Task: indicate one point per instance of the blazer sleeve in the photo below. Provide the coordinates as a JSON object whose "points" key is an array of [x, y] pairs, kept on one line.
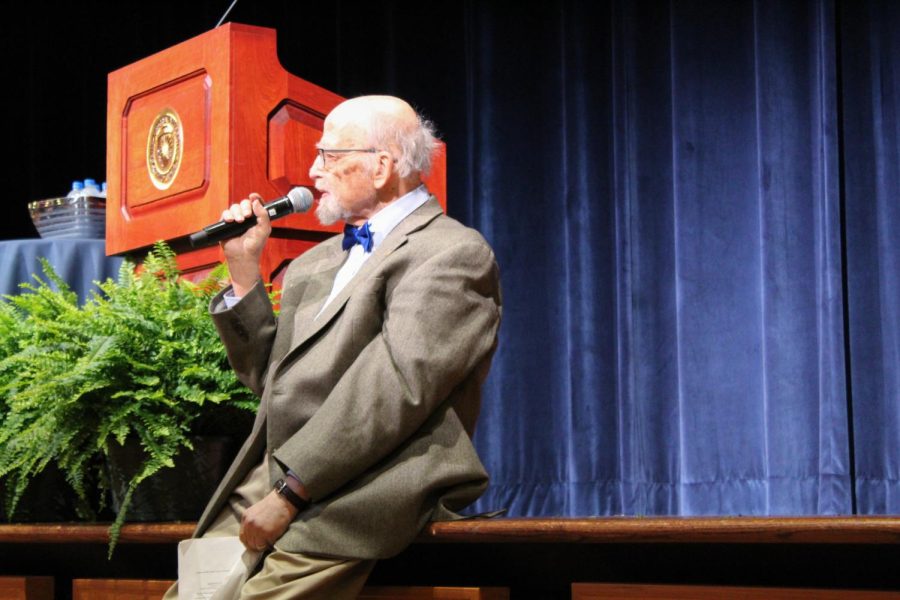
{"points": [[440, 323], [248, 330]]}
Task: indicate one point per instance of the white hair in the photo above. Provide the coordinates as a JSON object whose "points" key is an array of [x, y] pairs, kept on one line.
{"points": [[416, 146]]}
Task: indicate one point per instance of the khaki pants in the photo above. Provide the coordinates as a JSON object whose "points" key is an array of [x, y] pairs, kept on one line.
{"points": [[285, 575]]}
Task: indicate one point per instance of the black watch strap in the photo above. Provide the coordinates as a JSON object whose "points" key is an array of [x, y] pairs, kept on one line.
{"points": [[282, 488]]}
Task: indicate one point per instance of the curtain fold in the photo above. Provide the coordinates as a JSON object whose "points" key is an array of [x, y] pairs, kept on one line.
{"points": [[871, 122]]}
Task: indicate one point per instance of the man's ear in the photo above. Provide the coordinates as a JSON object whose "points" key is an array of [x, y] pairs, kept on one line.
{"points": [[384, 169]]}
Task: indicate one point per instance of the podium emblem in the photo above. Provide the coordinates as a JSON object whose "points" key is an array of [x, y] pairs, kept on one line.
{"points": [[164, 147]]}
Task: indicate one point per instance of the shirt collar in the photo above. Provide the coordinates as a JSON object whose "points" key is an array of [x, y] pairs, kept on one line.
{"points": [[384, 221]]}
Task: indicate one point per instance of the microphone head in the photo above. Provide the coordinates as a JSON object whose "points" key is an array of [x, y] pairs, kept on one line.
{"points": [[301, 199]]}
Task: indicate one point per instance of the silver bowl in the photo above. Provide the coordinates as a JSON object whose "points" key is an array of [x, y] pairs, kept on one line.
{"points": [[65, 217]]}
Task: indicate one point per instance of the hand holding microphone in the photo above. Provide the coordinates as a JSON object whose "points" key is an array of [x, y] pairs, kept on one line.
{"points": [[243, 254], [299, 199]]}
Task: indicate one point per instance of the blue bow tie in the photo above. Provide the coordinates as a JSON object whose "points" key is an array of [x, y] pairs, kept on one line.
{"points": [[357, 235]]}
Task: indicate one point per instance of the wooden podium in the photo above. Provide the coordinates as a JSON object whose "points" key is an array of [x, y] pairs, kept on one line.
{"points": [[202, 124]]}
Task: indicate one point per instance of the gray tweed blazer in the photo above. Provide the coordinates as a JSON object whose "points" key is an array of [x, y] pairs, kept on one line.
{"points": [[373, 403]]}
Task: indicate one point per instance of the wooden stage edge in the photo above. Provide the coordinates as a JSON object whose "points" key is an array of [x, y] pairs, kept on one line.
{"points": [[609, 530]]}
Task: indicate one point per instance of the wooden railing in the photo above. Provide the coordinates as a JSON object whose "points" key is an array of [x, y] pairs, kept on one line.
{"points": [[631, 530]]}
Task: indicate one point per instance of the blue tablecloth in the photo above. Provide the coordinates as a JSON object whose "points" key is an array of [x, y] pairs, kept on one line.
{"points": [[78, 262]]}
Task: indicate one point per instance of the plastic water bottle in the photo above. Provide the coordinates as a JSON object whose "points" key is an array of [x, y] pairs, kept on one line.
{"points": [[91, 188], [77, 190], [103, 190]]}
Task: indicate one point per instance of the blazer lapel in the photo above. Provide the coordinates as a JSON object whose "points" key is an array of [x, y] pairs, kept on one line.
{"points": [[307, 325], [324, 273]]}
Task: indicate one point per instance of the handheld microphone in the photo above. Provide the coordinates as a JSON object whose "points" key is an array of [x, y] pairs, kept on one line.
{"points": [[299, 199]]}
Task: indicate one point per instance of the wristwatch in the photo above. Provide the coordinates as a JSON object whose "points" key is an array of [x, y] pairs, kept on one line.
{"points": [[282, 488]]}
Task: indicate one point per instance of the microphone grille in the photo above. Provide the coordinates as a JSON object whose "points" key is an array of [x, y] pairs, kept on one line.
{"points": [[301, 199]]}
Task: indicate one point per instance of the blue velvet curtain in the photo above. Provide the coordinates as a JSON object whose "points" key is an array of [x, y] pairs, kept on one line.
{"points": [[695, 209]]}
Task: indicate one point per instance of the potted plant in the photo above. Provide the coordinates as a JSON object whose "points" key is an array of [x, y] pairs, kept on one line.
{"points": [[138, 365]]}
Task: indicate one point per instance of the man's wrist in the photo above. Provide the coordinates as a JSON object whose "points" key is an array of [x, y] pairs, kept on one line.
{"points": [[242, 286], [283, 489], [296, 485]]}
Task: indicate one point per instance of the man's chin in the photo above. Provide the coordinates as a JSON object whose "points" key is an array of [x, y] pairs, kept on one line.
{"points": [[327, 215], [325, 219]]}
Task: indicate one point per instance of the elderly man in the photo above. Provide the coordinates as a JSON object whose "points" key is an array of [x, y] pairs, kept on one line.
{"points": [[370, 376]]}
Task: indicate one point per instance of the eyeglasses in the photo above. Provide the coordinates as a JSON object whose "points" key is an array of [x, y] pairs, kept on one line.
{"points": [[326, 153]]}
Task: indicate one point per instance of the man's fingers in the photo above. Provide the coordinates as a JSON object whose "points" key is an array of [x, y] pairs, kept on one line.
{"points": [[262, 216], [243, 209]]}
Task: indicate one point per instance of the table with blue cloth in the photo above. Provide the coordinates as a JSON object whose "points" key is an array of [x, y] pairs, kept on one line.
{"points": [[79, 262]]}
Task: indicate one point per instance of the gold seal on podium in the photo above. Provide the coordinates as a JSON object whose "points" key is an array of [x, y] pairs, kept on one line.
{"points": [[164, 146]]}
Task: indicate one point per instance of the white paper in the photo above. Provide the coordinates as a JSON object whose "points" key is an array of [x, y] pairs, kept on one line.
{"points": [[213, 568]]}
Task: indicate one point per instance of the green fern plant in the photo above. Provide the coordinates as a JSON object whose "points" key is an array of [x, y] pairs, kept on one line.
{"points": [[139, 360]]}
